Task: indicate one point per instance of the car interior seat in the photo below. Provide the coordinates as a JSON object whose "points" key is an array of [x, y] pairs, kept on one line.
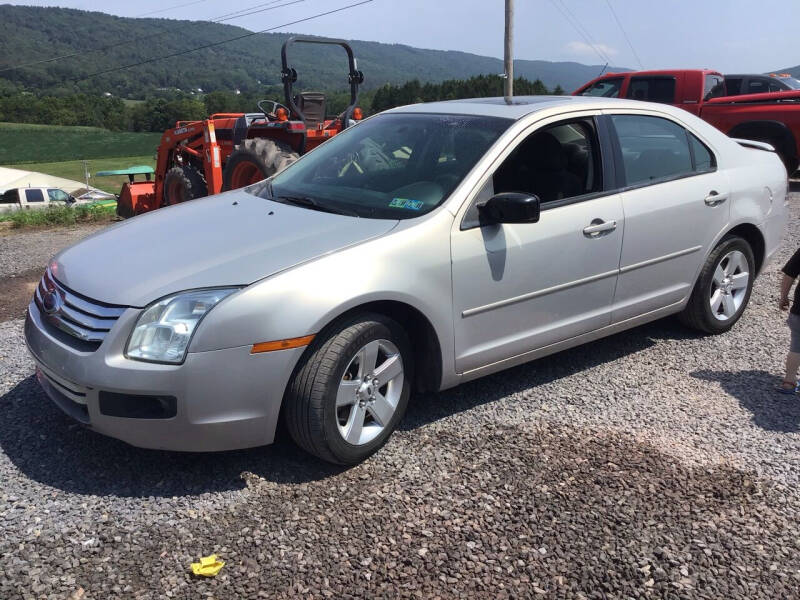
{"points": [[548, 166]]}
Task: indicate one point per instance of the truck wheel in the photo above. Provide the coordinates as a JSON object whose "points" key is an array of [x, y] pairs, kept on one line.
{"points": [[351, 390], [254, 160], [182, 184], [723, 288]]}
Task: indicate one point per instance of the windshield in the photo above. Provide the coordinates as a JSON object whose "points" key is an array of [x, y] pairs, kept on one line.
{"points": [[393, 166], [607, 88], [791, 82]]}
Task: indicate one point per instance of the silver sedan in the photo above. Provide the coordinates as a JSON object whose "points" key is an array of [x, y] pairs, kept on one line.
{"points": [[426, 246]]}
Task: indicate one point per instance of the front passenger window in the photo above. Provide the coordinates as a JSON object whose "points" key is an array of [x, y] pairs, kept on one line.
{"points": [[556, 163]]}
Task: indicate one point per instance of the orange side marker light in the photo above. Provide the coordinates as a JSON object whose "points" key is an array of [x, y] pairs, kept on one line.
{"points": [[297, 342]]}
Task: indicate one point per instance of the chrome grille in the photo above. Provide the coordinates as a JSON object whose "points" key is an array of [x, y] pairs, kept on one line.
{"points": [[84, 319]]}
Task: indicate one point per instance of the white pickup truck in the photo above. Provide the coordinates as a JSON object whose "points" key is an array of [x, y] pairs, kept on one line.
{"points": [[33, 197]]}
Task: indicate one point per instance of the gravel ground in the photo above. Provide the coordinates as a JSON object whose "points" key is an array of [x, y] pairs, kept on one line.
{"points": [[22, 250], [652, 464]]}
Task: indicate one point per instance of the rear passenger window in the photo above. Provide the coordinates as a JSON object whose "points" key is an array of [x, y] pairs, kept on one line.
{"points": [[653, 149], [703, 158], [10, 197], [34, 195], [734, 86], [757, 86], [652, 89]]}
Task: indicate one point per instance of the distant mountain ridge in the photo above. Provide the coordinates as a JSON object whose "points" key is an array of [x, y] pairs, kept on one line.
{"points": [[29, 34]]}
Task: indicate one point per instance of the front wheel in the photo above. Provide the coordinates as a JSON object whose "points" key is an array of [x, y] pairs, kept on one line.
{"points": [[255, 160], [183, 183], [723, 288], [351, 390]]}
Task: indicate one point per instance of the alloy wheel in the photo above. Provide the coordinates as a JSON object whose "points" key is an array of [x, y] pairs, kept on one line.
{"points": [[369, 392], [729, 285]]}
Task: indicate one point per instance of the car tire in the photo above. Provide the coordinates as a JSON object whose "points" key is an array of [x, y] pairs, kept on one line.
{"points": [[255, 160], [723, 287], [182, 184], [333, 407]]}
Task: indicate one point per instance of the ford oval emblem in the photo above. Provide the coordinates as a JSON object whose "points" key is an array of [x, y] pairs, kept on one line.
{"points": [[51, 302]]}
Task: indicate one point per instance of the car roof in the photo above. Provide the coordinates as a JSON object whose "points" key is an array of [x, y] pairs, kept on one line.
{"points": [[521, 106], [36, 187]]}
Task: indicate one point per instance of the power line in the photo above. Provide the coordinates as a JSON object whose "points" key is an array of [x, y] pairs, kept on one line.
{"points": [[622, 29], [235, 13], [252, 12], [225, 17], [213, 44], [587, 35], [163, 10], [576, 26]]}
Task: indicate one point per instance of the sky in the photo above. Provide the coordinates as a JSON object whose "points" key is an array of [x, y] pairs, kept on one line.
{"points": [[725, 35]]}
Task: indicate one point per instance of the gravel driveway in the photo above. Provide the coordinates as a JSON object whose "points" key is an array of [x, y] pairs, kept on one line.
{"points": [[652, 464]]}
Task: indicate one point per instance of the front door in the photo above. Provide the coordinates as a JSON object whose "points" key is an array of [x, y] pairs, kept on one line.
{"points": [[519, 287]]}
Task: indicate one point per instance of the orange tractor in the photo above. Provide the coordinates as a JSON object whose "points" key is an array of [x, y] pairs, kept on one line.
{"points": [[231, 150]]}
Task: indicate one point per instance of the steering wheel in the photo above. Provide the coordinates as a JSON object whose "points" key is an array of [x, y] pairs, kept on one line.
{"points": [[275, 106]]}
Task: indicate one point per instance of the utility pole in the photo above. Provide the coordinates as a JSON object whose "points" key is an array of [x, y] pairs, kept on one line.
{"points": [[508, 56]]}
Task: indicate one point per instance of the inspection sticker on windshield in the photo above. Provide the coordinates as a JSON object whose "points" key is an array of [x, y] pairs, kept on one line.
{"points": [[406, 203]]}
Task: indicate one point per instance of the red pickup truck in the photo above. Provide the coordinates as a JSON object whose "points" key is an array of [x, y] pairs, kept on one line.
{"points": [[773, 118]]}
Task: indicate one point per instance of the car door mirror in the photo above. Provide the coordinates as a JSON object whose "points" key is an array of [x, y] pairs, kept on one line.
{"points": [[510, 207]]}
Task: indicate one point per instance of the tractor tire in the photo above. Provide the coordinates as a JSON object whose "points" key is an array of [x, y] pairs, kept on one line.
{"points": [[255, 160], [182, 184]]}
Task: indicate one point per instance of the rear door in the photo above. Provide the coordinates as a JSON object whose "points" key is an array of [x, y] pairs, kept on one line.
{"points": [[675, 202], [9, 201]]}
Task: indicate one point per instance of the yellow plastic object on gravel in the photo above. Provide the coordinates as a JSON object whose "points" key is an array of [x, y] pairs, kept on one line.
{"points": [[208, 566]]}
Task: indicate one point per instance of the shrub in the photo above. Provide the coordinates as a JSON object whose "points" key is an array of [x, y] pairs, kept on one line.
{"points": [[61, 215]]}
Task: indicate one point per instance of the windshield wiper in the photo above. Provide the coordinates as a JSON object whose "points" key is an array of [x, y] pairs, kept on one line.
{"points": [[314, 204]]}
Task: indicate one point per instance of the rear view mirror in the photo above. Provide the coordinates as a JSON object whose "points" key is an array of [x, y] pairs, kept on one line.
{"points": [[510, 207]]}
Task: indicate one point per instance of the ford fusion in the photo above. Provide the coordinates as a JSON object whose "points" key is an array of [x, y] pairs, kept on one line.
{"points": [[422, 248]]}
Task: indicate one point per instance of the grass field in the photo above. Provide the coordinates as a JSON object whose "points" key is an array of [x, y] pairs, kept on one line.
{"points": [[22, 143], [73, 169]]}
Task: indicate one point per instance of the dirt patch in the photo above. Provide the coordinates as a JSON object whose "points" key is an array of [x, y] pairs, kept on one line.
{"points": [[16, 292]]}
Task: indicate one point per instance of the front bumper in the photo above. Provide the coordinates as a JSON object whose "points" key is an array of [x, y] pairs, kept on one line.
{"points": [[225, 399]]}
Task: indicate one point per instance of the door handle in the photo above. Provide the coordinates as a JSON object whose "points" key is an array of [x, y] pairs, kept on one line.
{"points": [[599, 227], [714, 198]]}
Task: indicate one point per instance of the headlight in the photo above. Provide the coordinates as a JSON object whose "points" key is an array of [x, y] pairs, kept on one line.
{"points": [[164, 330]]}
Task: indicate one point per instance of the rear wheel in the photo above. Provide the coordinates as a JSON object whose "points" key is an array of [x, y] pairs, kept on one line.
{"points": [[351, 390], [254, 160], [723, 288], [182, 184]]}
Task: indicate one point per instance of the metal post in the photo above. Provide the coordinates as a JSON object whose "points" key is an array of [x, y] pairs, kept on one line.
{"points": [[508, 57], [86, 173]]}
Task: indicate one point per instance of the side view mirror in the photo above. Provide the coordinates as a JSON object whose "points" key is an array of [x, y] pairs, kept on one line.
{"points": [[510, 207]]}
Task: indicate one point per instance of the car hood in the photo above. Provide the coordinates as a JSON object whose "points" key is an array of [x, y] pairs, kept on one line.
{"points": [[229, 239]]}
